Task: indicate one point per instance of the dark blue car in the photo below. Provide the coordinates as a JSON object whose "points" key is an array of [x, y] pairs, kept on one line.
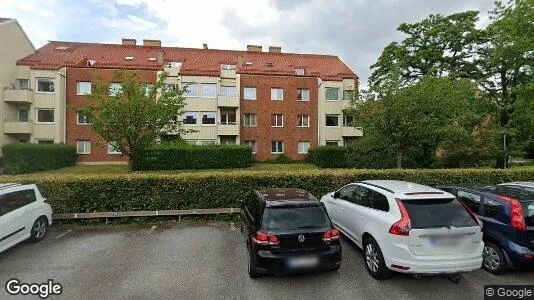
{"points": [[507, 212]]}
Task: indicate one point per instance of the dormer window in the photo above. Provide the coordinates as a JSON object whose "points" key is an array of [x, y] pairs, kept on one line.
{"points": [[248, 63], [299, 71], [129, 58], [227, 67], [174, 64], [152, 59], [62, 48], [90, 62]]}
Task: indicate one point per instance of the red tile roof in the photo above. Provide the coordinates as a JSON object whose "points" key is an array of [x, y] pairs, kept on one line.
{"points": [[194, 61]]}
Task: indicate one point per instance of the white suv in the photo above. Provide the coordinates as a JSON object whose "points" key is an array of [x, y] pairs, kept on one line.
{"points": [[407, 227], [24, 214]]}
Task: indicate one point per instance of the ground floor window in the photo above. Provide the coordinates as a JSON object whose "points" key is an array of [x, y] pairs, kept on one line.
{"points": [[277, 147], [112, 148], [332, 143], [41, 142], [83, 147], [303, 147], [251, 145]]}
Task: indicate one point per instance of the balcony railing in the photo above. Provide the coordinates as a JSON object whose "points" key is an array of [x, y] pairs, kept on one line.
{"points": [[350, 131], [228, 101], [20, 96], [228, 128], [18, 127]]}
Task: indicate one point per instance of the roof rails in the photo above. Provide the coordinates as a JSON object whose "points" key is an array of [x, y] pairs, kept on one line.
{"points": [[377, 186], [4, 186]]}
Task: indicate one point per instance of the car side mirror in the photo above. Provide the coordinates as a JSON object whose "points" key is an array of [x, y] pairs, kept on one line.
{"points": [[335, 194]]}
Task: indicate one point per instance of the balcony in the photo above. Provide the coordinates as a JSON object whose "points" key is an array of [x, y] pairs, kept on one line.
{"points": [[172, 72], [18, 96], [228, 129], [228, 73], [18, 127], [228, 101], [349, 131]]}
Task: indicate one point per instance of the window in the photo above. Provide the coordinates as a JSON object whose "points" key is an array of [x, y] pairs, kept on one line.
{"points": [[346, 193], [227, 67], [83, 87], [451, 213], [295, 218], [332, 120], [23, 84], [209, 90], [83, 118], [332, 143], [277, 94], [174, 64], [208, 118], [331, 94], [492, 209], [303, 94], [250, 120], [348, 94], [24, 115], [249, 93], [228, 90], [169, 87], [277, 147], [112, 148], [45, 116], [191, 89], [15, 200], [228, 116], [299, 72], [83, 147], [470, 200], [277, 120], [347, 142], [45, 85], [304, 121], [348, 120], [228, 140], [44, 142], [251, 145], [115, 88], [191, 142], [303, 147], [208, 142], [190, 118], [380, 202]]}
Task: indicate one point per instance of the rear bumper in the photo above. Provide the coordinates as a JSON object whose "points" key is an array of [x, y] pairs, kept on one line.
{"points": [[517, 253], [266, 262]]}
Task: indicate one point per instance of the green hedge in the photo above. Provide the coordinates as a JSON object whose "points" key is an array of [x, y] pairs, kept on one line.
{"points": [[26, 158], [216, 189], [329, 156], [172, 157]]}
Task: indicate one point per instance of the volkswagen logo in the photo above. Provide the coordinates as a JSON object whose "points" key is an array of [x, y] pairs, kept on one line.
{"points": [[301, 238]]}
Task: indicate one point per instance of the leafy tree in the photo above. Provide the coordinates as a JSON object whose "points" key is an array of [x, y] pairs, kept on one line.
{"points": [[131, 117]]}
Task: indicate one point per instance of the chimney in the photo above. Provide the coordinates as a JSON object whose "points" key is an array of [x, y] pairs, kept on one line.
{"points": [[161, 57], [275, 49], [205, 46], [254, 48], [128, 42], [240, 60], [152, 43]]}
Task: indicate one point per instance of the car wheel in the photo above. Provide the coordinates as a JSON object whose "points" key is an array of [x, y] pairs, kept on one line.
{"points": [[336, 268], [39, 230], [251, 272], [374, 260], [494, 260]]}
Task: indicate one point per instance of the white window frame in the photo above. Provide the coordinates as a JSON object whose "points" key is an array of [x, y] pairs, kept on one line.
{"points": [[186, 85], [208, 142], [251, 117], [325, 93], [193, 113], [301, 117], [37, 115], [52, 79], [245, 93], [214, 91], [114, 88], [208, 112], [79, 88], [345, 123], [302, 93], [44, 140], [307, 148], [353, 92], [19, 80], [277, 152], [27, 110], [226, 94], [332, 115], [276, 120], [84, 147], [112, 150], [252, 145], [277, 94], [78, 120], [331, 141]]}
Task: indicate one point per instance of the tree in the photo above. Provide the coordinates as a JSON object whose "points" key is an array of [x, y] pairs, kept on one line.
{"points": [[130, 117], [436, 46]]}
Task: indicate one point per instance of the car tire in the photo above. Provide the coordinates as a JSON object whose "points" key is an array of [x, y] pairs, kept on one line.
{"points": [[335, 269], [251, 273], [39, 230], [374, 260], [494, 259]]}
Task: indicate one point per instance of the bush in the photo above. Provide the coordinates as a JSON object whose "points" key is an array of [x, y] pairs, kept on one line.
{"points": [[172, 157], [529, 149], [215, 189], [26, 158], [329, 156]]}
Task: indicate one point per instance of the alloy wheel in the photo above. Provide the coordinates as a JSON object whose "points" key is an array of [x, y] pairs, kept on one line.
{"points": [[491, 258], [371, 257], [39, 228]]}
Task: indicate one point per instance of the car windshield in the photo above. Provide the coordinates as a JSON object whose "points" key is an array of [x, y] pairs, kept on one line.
{"points": [[432, 213], [294, 218], [528, 211]]}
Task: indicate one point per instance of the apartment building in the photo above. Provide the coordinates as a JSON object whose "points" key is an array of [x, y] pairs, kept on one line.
{"points": [[274, 102], [15, 97]]}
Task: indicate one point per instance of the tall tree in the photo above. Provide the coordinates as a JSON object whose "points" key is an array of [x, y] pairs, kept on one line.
{"points": [[133, 116]]}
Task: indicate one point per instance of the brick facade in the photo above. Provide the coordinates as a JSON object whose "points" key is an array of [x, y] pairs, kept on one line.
{"points": [[289, 107]]}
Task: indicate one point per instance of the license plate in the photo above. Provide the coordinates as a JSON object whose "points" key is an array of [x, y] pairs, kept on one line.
{"points": [[303, 262], [443, 241]]}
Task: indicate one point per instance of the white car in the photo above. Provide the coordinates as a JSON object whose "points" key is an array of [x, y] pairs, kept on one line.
{"points": [[407, 227], [24, 214]]}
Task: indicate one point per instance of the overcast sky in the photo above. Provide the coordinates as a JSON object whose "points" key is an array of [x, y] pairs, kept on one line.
{"points": [[355, 30]]}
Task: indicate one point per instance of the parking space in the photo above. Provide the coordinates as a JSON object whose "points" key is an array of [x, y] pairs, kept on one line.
{"points": [[205, 261]]}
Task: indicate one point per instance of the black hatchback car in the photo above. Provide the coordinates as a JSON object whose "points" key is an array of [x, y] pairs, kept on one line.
{"points": [[288, 231]]}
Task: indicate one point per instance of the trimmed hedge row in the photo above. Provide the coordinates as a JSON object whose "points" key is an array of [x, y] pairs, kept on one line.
{"points": [[165, 157], [25, 158], [329, 156], [157, 191]]}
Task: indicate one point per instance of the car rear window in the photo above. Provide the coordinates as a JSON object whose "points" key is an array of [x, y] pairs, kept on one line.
{"points": [[294, 218], [528, 210], [429, 213]]}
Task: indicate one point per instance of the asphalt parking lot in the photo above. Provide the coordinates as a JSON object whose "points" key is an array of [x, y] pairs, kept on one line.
{"points": [[203, 261]]}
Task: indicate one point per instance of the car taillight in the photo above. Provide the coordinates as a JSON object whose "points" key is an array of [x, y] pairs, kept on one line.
{"points": [[473, 216], [518, 219], [402, 226], [331, 235], [262, 238]]}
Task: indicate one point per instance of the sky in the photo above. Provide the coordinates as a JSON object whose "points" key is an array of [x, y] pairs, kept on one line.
{"points": [[355, 30]]}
